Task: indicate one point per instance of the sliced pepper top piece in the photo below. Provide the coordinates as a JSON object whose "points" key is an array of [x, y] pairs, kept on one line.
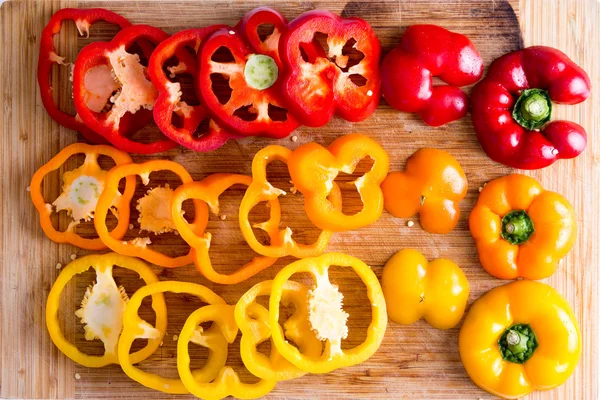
{"points": [[227, 382], [261, 190], [155, 212], [326, 316], [322, 85], [102, 309], [313, 169], [83, 19], [208, 191], [80, 193]]}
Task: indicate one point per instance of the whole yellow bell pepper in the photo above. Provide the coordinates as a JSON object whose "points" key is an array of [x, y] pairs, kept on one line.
{"points": [[520, 229], [518, 338], [415, 289]]}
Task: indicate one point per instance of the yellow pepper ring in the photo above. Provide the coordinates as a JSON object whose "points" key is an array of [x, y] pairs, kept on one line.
{"points": [[90, 164], [100, 263], [208, 191], [136, 328], [227, 381], [261, 190], [253, 321], [333, 357]]}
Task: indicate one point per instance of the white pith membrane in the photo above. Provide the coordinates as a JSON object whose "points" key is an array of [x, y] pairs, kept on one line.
{"points": [[155, 213], [326, 315], [122, 84], [102, 310], [81, 189]]}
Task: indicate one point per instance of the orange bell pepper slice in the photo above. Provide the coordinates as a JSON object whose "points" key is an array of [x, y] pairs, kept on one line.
{"points": [[313, 168], [261, 190], [432, 184], [155, 212], [208, 191], [80, 193]]}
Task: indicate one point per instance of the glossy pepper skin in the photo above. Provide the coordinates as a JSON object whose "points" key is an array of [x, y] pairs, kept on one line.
{"points": [[81, 205], [414, 288], [428, 51], [261, 190], [169, 100], [258, 100], [520, 229], [227, 382], [107, 300], [548, 360], [83, 19], [313, 168], [512, 108], [208, 191], [134, 327], [432, 184], [326, 315], [322, 86], [122, 72]]}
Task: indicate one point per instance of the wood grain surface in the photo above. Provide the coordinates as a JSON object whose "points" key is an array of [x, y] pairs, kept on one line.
{"points": [[414, 361]]}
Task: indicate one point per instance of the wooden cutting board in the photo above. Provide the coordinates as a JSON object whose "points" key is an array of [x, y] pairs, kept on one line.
{"points": [[414, 361]]}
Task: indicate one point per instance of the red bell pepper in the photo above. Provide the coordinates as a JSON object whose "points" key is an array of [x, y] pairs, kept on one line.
{"points": [[512, 107], [319, 84], [83, 20], [107, 76], [169, 93], [253, 78], [428, 51]]}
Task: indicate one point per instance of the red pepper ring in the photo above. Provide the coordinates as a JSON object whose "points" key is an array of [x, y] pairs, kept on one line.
{"points": [[317, 89], [513, 104], [253, 78], [249, 25], [169, 93], [123, 118], [83, 20], [208, 191]]}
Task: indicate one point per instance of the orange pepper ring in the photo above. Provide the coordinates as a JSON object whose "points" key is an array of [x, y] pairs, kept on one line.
{"points": [[55, 163], [208, 191], [143, 170]]}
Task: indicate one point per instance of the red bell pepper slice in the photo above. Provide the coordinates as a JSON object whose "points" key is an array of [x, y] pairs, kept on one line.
{"points": [[250, 24], [105, 68], [426, 51], [253, 77], [512, 107], [319, 87], [169, 93], [83, 20]]}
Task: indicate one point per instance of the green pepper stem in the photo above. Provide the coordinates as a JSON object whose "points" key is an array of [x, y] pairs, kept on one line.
{"points": [[517, 227], [532, 109], [518, 343]]}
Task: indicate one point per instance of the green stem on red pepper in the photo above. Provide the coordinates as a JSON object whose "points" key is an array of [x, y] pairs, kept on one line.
{"points": [[532, 109]]}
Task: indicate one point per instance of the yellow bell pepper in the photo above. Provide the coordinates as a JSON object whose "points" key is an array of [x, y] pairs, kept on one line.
{"points": [[227, 382], [413, 288], [102, 308], [520, 229], [326, 315], [253, 321], [136, 328], [518, 338]]}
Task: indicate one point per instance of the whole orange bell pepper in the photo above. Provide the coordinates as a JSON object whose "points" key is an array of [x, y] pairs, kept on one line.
{"points": [[520, 229], [432, 184]]}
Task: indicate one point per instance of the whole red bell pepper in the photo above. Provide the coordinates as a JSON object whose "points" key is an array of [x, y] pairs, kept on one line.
{"points": [[111, 92], [253, 78], [428, 51], [512, 107], [169, 100], [83, 20], [319, 84]]}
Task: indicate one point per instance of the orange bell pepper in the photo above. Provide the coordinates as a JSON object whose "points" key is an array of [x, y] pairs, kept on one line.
{"points": [[432, 184], [80, 192], [155, 212], [261, 190], [313, 168], [208, 191], [520, 229]]}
